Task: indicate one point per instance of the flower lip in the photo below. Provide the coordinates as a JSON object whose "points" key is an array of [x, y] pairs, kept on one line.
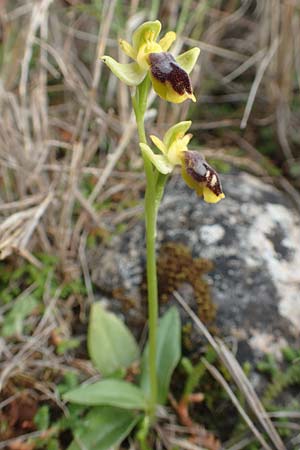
{"points": [[198, 169], [164, 68]]}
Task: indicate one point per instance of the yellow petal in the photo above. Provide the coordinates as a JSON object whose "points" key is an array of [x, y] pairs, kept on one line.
{"points": [[177, 148], [159, 144], [187, 60], [166, 42], [127, 48], [175, 152], [186, 139], [131, 74]]}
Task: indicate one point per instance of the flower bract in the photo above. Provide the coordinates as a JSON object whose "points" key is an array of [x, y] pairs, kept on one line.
{"points": [[196, 172], [169, 75]]}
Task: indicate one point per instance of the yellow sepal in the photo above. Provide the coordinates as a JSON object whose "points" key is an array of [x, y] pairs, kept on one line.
{"points": [[131, 74], [188, 59], [177, 131], [159, 161], [147, 32]]}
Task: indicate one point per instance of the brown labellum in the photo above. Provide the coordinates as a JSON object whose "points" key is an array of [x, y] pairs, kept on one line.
{"points": [[164, 68], [197, 168]]}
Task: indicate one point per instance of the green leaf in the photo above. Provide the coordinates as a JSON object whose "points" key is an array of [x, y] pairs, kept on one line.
{"points": [[108, 392], [111, 345], [131, 74], [168, 354], [69, 381], [14, 320], [103, 428], [42, 418], [53, 444]]}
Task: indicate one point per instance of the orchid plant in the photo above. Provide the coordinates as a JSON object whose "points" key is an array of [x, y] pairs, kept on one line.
{"points": [[112, 347]]}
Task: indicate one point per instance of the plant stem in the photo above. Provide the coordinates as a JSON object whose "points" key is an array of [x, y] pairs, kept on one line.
{"points": [[151, 207], [150, 217]]}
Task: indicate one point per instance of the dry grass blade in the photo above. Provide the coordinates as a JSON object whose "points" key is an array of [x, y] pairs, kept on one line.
{"points": [[21, 204], [184, 444], [37, 17], [245, 66], [219, 377], [238, 376], [288, 414], [223, 52], [7, 444], [241, 444], [108, 11], [85, 269], [20, 359], [16, 230], [112, 161], [250, 395], [259, 75]]}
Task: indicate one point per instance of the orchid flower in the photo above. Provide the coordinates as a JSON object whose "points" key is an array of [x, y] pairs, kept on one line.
{"points": [[169, 75], [196, 172]]}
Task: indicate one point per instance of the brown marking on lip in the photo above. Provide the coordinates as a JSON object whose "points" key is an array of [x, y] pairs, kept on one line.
{"points": [[164, 68], [201, 172]]}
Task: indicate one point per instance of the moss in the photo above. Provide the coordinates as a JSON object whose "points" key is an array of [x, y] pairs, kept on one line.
{"points": [[126, 301], [175, 267], [186, 336]]}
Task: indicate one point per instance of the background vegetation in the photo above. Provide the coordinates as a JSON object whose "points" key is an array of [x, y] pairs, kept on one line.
{"points": [[71, 177]]}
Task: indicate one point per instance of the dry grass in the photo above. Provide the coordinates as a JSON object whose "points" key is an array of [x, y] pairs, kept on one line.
{"points": [[68, 140], [58, 103]]}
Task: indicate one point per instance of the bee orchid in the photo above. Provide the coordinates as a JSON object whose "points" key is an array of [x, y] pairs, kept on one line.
{"points": [[169, 75], [196, 172]]}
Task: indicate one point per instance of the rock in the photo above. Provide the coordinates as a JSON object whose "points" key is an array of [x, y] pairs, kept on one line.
{"points": [[253, 239]]}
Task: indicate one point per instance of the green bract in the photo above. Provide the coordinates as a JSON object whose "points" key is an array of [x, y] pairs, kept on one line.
{"points": [[169, 75]]}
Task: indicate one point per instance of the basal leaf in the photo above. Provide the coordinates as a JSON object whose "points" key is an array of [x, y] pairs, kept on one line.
{"points": [[103, 427], [108, 392], [168, 354], [111, 345]]}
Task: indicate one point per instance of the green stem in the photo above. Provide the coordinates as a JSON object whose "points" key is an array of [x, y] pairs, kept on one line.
{"points": [[151, 207], [150, 217]]}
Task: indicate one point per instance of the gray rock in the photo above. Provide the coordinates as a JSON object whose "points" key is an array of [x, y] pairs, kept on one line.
{"points": [[253, 239]]}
